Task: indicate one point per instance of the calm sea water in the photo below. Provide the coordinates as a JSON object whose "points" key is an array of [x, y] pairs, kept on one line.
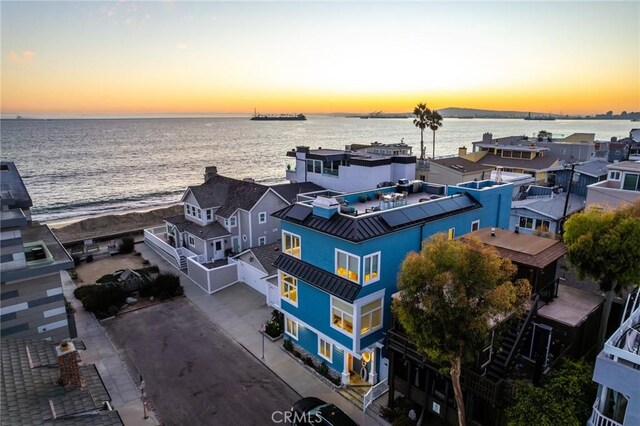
{"points": [[84, 167]]}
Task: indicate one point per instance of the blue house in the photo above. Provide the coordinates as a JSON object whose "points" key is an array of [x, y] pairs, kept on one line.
{"points": [[341, 255]]}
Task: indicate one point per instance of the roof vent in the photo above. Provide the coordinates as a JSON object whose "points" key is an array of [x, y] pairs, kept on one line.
{"points": [[493, 232], [325, 207]]}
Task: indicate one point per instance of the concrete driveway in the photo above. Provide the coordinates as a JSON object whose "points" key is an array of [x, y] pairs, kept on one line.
{"points": [[194, 374]]}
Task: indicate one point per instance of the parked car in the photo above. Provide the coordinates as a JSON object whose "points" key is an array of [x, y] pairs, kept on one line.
{"points": [[316, 412]]}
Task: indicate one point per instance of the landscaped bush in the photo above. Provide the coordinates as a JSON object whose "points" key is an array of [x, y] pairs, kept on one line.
{"points": [[287, 345], [275, 326], [323, 369], [164, 286], [126, 245], [109, 278], [309, 361], [103, 300]]}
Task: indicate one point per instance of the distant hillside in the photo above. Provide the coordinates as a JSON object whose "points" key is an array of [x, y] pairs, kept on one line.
{"points": [[488, 113]]}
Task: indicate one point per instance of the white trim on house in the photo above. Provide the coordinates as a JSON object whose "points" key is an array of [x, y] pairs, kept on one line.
{"points": [[364, 265], [328, 339], [358, 304], [322, 340], [358, 272], [282, 298], [260, 221], [264, 195], [352, 314], [475, 222], [282, 232], [287, 319]]}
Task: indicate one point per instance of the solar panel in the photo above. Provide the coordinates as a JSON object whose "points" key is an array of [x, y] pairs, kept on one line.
{"points": [[463, 202], [448, 204], [431, 209], [395, 218], [415, 213], [298, 212]]}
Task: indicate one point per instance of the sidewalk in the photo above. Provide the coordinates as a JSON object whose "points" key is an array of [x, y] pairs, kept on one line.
{"points": [[125, 395], [240, 312]]}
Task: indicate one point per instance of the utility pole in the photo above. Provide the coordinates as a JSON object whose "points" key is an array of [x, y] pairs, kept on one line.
{"points": [[144, 399], [566, 201]]}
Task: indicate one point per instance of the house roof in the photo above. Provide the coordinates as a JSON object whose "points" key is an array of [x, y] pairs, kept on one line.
{"points": [[538, 163], [289, 191], [31, 390], [461, 165], [267, 255], [12, 188], [361, 228], [525, 249], [206, 232], [593, 168], [552, 207], [228, 194], [326, 281]]}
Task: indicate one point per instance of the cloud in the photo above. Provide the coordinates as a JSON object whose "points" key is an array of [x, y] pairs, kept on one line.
{"points": [[125, 13], [24, 57], [180, 46]]}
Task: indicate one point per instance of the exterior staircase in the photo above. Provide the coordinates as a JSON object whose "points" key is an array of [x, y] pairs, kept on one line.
{"points": [[183, 262], [354, 394], [512, 344]]}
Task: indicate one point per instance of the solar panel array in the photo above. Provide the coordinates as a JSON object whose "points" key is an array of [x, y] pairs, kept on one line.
{"points": [[423, 211], [298, 212]]}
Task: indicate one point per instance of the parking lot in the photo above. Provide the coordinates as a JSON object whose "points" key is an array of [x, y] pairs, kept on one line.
{"points": [[194, 374]]}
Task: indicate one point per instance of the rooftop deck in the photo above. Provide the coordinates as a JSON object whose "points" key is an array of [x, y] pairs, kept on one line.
{"points": [[571, 307]]}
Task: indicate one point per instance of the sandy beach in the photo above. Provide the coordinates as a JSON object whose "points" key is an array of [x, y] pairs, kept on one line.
{"points": [[82, 228]]}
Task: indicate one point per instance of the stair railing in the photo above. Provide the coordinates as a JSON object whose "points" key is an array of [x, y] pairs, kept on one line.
{"points": [[374, 393], [532, 313]]}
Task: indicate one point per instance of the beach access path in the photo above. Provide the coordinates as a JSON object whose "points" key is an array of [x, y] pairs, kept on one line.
{"points": [[239, 312]]}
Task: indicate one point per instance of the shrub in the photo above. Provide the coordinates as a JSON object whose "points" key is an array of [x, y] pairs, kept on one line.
{"points": [[126, 245], [109, 278], [76, 260], [297, 353], [287, 345], [163, 286], [89, 258], [323, 369], [275, 326], [362, 198], [309, 361], [103, 300]]}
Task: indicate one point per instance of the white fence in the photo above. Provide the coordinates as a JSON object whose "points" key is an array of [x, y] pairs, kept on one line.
{"points": [[374, 393], [169, 253], [598, 419], [211, 280]]}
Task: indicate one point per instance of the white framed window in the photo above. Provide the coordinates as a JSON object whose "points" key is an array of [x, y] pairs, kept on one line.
{"points": [[342, 316], [371, 272], [289, 288], [291, 244], [199, 213], [475, 225], [371, 317], [348, 266], [262, 241], [262, 217], [325, 349], [209, 214], [233, 222], [537, 224], [451, 234], [614, 175], [192, 241], [291, 328]]}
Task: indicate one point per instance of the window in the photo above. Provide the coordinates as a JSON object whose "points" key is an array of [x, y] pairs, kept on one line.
{"points": [[347, 265], [342, 316], [262, 241], [475, 225], [291, 244], [291, 328], [526, 222], [192, 241], [209, 214], [452, 233], [537, 224], [372, 268], [614, 175], [289, 288], [199, 212], [314, 166], [262, 217], [630, 182], [232, 222], [325, 349], [371, 317]]}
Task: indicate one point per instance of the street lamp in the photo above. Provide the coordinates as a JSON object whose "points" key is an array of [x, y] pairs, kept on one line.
{"points": [[263, 329], [144, 401]]}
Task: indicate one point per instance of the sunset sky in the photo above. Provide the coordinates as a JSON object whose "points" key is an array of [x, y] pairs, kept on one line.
{"points": [[163, 57]]}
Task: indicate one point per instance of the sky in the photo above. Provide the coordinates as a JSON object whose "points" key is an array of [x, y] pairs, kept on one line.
{"points": [[177, 57]]}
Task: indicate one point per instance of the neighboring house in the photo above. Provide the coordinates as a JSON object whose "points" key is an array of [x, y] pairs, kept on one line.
{"points": [[626, 148], [43, 384], [32, 258], [388, 149], [222, 217], [542, 209], [622, 186], [341, 256], [290, 191], [560, 321], [584, 174], [617, 373], [255, 268], [453, 170], [349, 171]]}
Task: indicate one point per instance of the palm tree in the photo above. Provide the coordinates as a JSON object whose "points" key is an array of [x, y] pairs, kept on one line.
{"points": [[422, 114], [434, 122]]}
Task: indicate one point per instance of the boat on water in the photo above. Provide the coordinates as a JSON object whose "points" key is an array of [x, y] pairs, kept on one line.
{"points": [[540, 117], [278, 117]]}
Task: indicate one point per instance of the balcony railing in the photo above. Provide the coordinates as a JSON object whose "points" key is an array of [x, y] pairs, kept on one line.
{"points": [[374, 393], [625, 342], [599, 419]]}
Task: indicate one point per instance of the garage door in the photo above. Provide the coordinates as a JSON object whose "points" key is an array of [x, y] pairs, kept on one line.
{"points": [[252, 277]]}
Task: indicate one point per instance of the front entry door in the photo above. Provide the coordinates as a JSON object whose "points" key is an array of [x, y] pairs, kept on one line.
{"points": [[540, 343], [235, 244], [218, 250]]}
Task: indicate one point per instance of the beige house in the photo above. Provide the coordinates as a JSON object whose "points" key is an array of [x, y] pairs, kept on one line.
{"points": [[621, 187]]}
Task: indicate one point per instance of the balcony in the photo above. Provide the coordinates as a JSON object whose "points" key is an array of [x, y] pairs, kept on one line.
{"points": [[624, 344], [599, 419]]}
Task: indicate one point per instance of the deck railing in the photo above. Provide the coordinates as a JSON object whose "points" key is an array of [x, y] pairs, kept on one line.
{"points": [[374, 393], [161, 247], [599, 419]]}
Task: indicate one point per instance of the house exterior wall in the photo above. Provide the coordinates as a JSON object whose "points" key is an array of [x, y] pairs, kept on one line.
{"points": [[609, 198], [515, 221], [34, 308], [243, 229], [580, 183], [402, 171], [271, 202], [448, 176]]}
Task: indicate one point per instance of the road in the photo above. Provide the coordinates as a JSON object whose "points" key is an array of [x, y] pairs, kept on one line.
{"points": [[194, 374]]}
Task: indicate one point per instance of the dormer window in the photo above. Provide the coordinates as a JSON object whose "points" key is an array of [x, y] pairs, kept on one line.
{"points": [[209, 214]]}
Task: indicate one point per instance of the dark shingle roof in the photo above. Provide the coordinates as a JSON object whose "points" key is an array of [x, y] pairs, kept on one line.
{"points": [[289, 191], [461, 164], [12, 188], [267, 255], [206, 232], [538, 163], [361, 228], [228, 194], [29, 391], [326, 281]]}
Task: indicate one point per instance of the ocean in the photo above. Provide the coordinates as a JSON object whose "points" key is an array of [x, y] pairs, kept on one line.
{"points": [[86, 167]]}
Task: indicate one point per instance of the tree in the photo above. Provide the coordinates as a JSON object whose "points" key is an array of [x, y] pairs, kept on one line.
{"points": [[434, 122], [564, 399], [605, 246], [422, 113], [449, 292]]}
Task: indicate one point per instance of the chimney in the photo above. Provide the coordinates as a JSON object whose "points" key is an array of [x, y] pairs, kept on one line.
{"points": [[210, 172], [614, 139], [462, 151], [68, 365], [487, 137]]}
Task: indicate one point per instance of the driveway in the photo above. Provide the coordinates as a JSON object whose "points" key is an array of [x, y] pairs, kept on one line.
{"points": [[194, 374]]}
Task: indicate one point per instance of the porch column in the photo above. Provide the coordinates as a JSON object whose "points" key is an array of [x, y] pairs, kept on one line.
{"points": [[345, 368], [373, 376]]}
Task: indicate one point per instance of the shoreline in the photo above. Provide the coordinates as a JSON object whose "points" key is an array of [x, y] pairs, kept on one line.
{"points": [[63, 222], [112, 224]]}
